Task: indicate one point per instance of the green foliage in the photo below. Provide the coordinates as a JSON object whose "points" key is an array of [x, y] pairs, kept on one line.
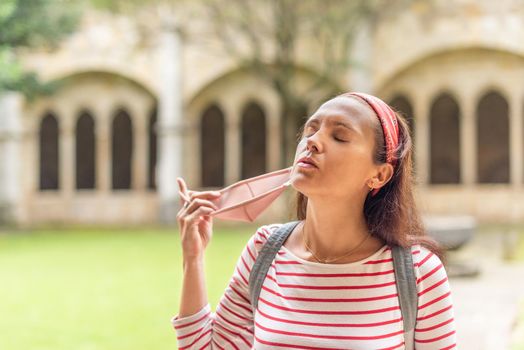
{"points": [[37, 22], [32, 24]]}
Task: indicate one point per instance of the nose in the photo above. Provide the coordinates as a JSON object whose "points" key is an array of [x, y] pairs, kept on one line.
{"points": [[312, 143]]}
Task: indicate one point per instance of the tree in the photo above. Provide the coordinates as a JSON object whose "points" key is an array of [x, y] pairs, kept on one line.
{"points": [[30, 24], [275, 38]]}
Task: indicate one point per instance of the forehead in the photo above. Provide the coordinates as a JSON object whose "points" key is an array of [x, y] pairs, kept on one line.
{"points": [[349, 110]]}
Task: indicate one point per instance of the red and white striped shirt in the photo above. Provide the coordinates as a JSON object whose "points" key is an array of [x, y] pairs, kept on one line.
{"points": [[309, 305]]}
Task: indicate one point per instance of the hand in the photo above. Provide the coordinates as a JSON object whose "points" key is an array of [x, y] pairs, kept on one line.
{"points": [[194, 221]]}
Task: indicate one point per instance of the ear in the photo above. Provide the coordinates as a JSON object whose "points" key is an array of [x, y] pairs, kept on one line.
{"points": [[382, 175]]}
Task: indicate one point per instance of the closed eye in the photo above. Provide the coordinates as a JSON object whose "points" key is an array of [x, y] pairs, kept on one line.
{"points": [[336, 138]]}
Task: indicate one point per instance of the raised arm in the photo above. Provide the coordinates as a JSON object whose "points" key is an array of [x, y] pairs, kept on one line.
{"points": [[196, 228], [231, 325]]}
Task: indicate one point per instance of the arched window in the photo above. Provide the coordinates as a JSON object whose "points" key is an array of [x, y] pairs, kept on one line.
{"points": [[253, 141], [445, 141], [122, 150], [49, 153], [212, 147], [85, 151], [151, 175], [492, 139]]}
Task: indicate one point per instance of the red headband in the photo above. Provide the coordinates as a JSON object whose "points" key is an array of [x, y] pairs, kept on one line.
{"points": [[388, 120]]}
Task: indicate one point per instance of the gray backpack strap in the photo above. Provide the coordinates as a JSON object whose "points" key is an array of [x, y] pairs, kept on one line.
{"points": [[407, 291], [265, 258]]}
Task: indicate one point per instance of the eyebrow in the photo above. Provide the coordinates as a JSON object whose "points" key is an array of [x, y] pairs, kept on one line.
{"points": [[331, 121]]}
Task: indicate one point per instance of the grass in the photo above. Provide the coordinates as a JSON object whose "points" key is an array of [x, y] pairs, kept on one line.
{"points": [[101, 289]]}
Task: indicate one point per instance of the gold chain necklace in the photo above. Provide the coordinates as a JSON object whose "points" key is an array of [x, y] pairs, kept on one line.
{"points": [[326, 261]]}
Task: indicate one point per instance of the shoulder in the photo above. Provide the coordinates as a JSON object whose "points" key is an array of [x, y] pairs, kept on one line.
{"points": [[260, 237], [263, 232], [429, 269], [424, 259]]}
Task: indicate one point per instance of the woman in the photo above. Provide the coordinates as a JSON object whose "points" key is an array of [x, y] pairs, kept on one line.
{"points": [[332, 284]]}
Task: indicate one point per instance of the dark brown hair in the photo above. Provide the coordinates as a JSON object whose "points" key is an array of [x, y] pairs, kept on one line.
{"points": [[391, 214]]}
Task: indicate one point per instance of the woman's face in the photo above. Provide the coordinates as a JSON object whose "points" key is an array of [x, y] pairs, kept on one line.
{"points": [[344, 155]]}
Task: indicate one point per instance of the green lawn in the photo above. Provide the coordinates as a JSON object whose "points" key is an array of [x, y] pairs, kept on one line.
{"points": [[101, 288]]}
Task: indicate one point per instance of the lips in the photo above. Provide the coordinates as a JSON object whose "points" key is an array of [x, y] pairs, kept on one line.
{"points": [[308, 160]]}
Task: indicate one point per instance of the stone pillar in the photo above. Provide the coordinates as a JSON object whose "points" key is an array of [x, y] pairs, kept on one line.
{"points": [[421, 111], [140, 119], [66, 153], [233, 147], [170, 124], [468, 141], [192, 140], [10, 157], [103, 151], [515, 138]]}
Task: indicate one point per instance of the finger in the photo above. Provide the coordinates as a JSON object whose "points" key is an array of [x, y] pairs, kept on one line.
{"points": [[200, 211], [197, 203], [182, 200], [184, 192], [184, 197], [207, 219], [180, 183], [183, 186], [204, 194]]}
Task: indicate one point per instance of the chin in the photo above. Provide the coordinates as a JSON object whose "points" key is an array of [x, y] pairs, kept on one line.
{"points": [[300, 184]]}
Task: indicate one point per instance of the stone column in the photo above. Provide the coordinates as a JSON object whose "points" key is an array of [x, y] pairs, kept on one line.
{"points": [[170, 124], [468, 141], [515, 138], [233, 147], [66, 153], [139, 162], [10, 157], [103, 151], [421, 110]]}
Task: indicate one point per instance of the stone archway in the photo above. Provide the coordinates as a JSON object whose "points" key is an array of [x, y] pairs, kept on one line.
{"points": [[484, 128], [103, 142], [233, 91]]}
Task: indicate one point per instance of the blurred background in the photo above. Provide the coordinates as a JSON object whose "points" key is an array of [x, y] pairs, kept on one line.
{"points": [[103, 103]]}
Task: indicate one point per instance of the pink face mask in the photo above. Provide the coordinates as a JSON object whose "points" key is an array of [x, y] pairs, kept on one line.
{"points": [[245, 200]]}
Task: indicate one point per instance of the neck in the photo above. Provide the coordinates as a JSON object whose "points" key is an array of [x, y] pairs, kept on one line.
{"points": [[333, 229]]}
